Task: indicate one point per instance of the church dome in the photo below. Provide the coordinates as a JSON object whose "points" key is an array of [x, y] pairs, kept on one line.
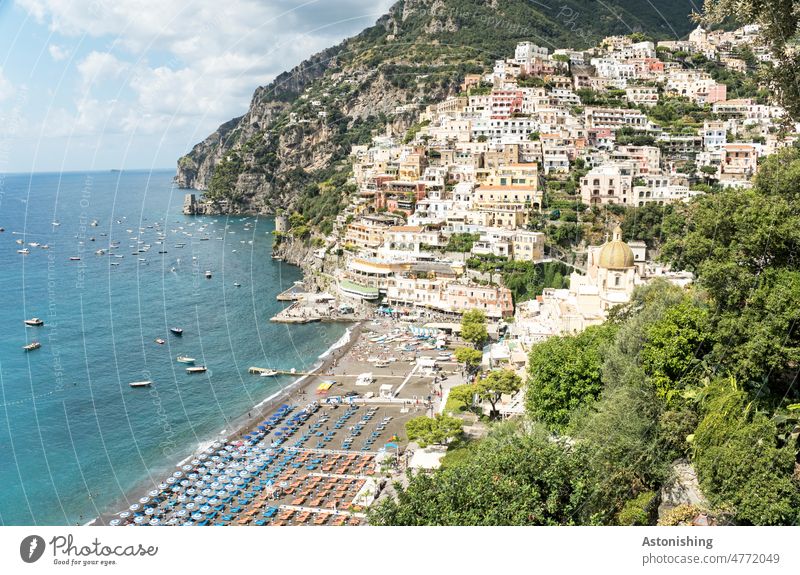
{"points": [[616, 254]]}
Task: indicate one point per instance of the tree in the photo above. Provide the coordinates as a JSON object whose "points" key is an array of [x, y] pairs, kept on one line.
{"points": [[492, 387], [512, 477], [433, 430], [470, 357], [739, 464], [473, 327], [564, 375], [674, 347]]}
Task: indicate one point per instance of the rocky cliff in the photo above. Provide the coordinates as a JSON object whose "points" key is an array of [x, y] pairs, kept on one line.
{"points": [[299, 129]]}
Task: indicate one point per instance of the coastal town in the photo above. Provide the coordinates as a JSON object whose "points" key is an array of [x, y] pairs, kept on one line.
{"points": [[444, 216]]}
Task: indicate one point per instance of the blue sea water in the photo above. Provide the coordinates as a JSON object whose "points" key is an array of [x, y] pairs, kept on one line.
{"points": [[75, 438]]}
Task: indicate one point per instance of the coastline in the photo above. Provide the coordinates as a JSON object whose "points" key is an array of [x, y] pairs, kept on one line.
{"points": [[301, 387]]}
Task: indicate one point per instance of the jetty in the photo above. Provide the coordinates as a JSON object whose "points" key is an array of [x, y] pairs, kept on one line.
{"points": [[294, 293]]}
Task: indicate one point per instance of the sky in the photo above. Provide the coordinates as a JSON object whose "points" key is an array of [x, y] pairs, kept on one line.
{"points": [[134, 84]]}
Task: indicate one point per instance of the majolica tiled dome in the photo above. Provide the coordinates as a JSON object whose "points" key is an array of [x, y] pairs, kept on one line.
{"points": [[616, 254]]}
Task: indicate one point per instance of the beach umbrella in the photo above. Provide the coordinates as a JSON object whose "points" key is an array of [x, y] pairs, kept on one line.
{"points": [[176, 489], [205, 509], [171, 480], [193, 476], [197, 516], [173, 521], [134, 507], [124, 515], [114, 522], [184, 482], [144, 500], [139, 520], [181, 498], [213, 501], [162, 486], [187, 467], [207, 492], [195, 462], [149, 511], [191, 491], [154, 493], [177, 474], [181, 513], [191, 506]]}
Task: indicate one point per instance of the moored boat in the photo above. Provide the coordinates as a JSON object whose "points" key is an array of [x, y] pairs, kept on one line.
{"points": [[185, 359], [31, 346], [160, 341], [147, 383], [34, 322], [196, 369], [176, 330]]}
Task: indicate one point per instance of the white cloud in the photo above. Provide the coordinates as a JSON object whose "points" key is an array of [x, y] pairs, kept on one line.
{"points": [[58, 53], [6, 89], [100, 67], [191, 64]]}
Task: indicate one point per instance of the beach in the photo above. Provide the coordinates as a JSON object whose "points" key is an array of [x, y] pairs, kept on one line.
{"points": [[316, 453]]}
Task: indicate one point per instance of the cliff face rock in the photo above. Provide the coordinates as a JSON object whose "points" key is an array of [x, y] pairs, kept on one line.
{"points": [[299, 129]]}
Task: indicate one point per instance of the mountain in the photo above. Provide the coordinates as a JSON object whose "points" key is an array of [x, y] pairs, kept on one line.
{"points": [[290, 148]]}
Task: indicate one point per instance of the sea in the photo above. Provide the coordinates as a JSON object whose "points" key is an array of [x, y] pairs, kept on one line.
{"points": [[76, 439]]}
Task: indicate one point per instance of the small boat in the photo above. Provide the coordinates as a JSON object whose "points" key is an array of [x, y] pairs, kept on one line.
{"points": [[237, 284], [34, 322], [74, 259], [196, 369], [185, 359], [20, 242], [147, 383], [56, 223], [176, 330], [268, 373], [24, 251], [208, 274], [31, 346], [160, 341]]}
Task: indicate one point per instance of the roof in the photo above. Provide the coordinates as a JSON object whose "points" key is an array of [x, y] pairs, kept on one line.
{"points": [[616, 254]]}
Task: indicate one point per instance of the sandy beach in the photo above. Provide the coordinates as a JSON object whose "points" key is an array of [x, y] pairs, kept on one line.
{"points": [[319, 451]]}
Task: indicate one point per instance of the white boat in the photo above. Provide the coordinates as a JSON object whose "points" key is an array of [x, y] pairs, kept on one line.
{"points": [[24, 251], [196, 369], [185, 359], [268, 373], [34, 322], [147, 383]]}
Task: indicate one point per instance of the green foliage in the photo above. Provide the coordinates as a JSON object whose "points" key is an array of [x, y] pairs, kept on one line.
{"points": [[674, 347], [738, 462], [564, 375], [470, 357], [497, 383], [510, 478], [743, 245], [473, 327], [644, 223], [461, 242], [433, 430], [639, 510]]}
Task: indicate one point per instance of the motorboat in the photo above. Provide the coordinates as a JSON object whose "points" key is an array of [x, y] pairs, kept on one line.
{"points": [[208, 274], [160, 341], [34, 322], [146, 383], [196, 369], [24, 251], [237, 284], [176, 330], [74, 259], [268, 373], [185, 359], [31, 346]]}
